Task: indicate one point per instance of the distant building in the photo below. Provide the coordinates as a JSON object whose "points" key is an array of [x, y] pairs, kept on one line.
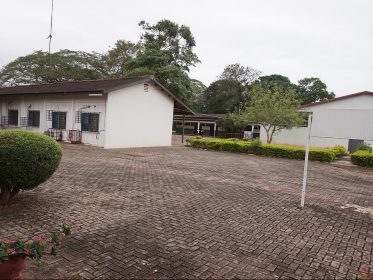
{"points": [[120, 113], [208, 125], [346, 121]]}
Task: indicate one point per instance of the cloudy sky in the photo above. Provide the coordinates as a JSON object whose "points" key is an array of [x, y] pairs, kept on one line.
{"points": [[330, 39]]}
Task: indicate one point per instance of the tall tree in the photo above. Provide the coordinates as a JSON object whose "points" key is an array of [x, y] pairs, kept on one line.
{"points": [[117, 58], [276, 81], [170, 39], [275, 108], [312, 90], [197, 99], [237, 72], [225, 96], [66, 65], [167, 51]]}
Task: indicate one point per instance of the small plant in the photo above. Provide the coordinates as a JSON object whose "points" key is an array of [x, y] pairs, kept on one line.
{"points": [[40, 245], [255, 143], [364, 147], [338, 150]]}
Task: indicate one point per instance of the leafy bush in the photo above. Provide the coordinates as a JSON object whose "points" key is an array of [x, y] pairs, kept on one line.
{"points": [[364, 147], [362, 158], [256, 147], [27, 159], [256, 143], [338, 150]]}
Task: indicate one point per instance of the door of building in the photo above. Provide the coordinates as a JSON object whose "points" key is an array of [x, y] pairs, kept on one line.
{"points": [[353, 144]]}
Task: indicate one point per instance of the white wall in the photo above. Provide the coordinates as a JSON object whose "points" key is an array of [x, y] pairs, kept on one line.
{"points": [[295, 136], [69, 104], [136, 118], [333, 123]]}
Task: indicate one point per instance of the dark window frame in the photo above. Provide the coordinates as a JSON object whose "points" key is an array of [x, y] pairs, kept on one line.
{"points": [[60, 122], [33, 118], [90, 122], [13, 120]]}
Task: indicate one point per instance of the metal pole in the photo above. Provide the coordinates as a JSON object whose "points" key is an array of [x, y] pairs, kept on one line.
{"points": [[182, 133], [214, 129], [305, 170], [50, 37]]}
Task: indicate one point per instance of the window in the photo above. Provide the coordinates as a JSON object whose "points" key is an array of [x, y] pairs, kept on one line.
{"points": [[305, 118], [90, 122], [33, 118], [59, 120], [13, 117]]}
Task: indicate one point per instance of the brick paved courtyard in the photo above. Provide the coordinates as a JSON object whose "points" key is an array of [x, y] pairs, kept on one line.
{"points": [[182, 213]]}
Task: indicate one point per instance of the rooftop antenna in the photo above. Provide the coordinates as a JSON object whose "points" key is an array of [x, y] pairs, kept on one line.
{"points": [[50, 37]]}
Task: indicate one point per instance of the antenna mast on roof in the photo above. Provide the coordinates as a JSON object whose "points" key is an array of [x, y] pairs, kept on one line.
{"points": [[50, 37]]}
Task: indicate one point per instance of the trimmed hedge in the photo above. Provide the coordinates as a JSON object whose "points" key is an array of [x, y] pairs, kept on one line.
{"points": [[272, 150], [27, 159], [339, 150], [362, 158]]}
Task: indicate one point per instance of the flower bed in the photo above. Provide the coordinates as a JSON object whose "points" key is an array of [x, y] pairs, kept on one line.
{"points": [[272, 150]]}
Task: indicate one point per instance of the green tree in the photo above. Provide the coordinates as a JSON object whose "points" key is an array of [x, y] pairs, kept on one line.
{"points": [[117, 58], [312, 90], [225, 96], [174, 41], [276, 81], [66, 65], [197, 99], [274, 108], [233, 122], [237, 72], [167, 52]]}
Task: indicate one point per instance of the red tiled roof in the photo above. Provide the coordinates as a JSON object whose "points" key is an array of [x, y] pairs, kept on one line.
{"points": [[337, 98]]}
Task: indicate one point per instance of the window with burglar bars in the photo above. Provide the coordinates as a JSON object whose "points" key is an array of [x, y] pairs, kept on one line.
{"points": [[49, 115], [13, 117], [33, 118], [90, 122], [4, 120], [59, 120], [78, 116]]}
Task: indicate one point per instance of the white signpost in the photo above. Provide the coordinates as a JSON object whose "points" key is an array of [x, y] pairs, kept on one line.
{"points": [[305, 170]]}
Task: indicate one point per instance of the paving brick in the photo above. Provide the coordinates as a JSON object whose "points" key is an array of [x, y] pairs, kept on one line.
{"points": [[176, 212]]}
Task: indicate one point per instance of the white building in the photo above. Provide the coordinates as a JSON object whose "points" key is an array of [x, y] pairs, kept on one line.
{"points": [[121, 113], [346, 121]]}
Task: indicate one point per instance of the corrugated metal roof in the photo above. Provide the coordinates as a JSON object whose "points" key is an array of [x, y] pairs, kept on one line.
{"points": [[92, 86], [337, 98]]}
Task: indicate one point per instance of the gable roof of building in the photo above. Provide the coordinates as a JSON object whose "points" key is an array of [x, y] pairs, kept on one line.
{"points": [[93, 86], [337, 98]]}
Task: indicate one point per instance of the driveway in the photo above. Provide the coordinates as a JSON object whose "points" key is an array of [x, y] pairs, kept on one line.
{"points": [[177, 212]]}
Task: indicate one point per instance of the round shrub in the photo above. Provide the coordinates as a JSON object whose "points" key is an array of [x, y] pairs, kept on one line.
{"points": [[27, 159]]}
